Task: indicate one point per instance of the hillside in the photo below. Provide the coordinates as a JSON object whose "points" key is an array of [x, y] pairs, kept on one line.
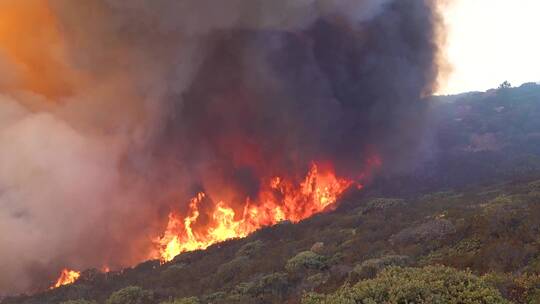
{"points": [[476, 138], [467, 217]]}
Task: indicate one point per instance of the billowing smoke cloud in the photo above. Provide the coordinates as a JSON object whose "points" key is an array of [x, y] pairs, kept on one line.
{"points": [[116, 110]]}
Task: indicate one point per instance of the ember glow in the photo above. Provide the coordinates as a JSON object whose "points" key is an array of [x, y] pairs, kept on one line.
{"points": [[280, 200], [67, 277]]}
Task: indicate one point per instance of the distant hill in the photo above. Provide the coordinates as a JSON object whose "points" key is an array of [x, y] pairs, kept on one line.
{"points": [[464, 223], [498, 130], [478, 138]]}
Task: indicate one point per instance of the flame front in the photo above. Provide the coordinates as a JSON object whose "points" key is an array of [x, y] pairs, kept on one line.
{"points": [[67, 277], [278, 201]]}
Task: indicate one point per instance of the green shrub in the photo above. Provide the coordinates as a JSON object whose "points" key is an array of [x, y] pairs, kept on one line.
{"points": [[429, 231], [534, 196], [316, 280], [381, 204], [318, 247], [216, 297], [520, 288], [502, 199], [439, 196], [534, 266], [306, 260], [131, 295], [191, 300], [227, 271], [534, 298], [463, 249], [428, 285], [172, 272], [370, 268], [250, 249], [80, 301], [534, 186], [274, 284]]}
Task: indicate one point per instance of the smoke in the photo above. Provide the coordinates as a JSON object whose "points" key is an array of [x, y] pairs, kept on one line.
{"points": [[116, 111]]}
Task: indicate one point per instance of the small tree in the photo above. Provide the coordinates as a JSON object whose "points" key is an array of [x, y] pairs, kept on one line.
{"points": [[131, 295], [505, 85]]}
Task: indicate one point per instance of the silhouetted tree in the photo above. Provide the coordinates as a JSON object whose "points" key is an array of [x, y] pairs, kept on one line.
{"points": [[505, 85]]}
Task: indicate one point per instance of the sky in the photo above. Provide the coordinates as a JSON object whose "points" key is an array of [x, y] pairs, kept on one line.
{"points": [[491, 41]]}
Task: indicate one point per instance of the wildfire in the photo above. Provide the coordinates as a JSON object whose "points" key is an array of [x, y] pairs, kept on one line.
{"points": [[280, 200], [66, 277]]}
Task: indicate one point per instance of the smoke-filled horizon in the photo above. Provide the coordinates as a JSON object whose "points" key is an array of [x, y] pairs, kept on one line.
{"points": [[114, 112]]}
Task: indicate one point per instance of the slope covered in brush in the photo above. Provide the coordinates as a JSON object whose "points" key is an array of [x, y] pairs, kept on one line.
{"points": [[468, 216], [492, 230]]}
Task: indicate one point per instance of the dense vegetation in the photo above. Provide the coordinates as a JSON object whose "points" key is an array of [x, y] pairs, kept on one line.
{"points": [[464, 228]]}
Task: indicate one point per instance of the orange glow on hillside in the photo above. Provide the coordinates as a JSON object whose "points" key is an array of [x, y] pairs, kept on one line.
{"points": [[280, 200], [66, 277]]}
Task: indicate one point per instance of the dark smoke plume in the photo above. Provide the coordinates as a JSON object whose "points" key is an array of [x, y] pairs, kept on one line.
{"points": [[156, 99]]}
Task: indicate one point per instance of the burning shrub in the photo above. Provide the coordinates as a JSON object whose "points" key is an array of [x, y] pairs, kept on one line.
{"points": [[306, 260], [131, 295], [415, 285]]}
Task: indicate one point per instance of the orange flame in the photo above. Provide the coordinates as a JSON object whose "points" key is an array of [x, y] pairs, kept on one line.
{"points": [[66, 277], [280, 200]]}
